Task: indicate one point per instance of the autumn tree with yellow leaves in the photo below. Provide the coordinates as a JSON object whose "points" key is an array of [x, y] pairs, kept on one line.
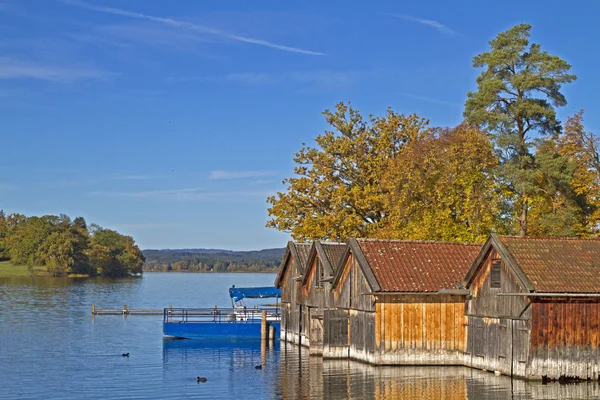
{"points": [[510, 168], [391, 177], [336, 191]]}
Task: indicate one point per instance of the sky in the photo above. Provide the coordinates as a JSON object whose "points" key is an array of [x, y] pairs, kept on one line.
{"points": [[173, 121]]}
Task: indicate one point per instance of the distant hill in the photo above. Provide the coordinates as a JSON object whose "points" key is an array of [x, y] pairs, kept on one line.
{"points": [[213, 260]]}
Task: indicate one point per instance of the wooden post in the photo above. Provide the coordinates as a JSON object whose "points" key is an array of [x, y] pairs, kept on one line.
{"points": [[93, 309], [125, 312], [264, 333], [271, 333]]}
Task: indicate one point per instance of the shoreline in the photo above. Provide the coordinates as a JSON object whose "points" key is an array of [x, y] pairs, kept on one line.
{"points": [[216, 272]]}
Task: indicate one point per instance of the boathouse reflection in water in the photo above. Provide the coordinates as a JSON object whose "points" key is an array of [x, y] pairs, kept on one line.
{"points": [[306, 377]]}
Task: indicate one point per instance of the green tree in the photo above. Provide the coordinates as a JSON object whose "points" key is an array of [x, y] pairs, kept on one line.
{"points": [[114, 254], [569, 198], [64, 250], [4, 253], [516, 96], [27, 236], [336, 191]]}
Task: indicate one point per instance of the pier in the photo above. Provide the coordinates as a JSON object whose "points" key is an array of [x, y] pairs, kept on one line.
{"points": [[126, 311]]}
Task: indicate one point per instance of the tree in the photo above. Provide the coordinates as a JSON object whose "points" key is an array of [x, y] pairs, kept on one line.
{"points": [[440, 187], [578, 192], [4, 254], [27, 236], [114, 254], [554, 207], [64, 250], [336, 191], [516, 96]]}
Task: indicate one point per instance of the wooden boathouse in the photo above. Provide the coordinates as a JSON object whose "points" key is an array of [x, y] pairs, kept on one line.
{"points": [[534, 309], [397, 302], [316, 289], [289, 278]]}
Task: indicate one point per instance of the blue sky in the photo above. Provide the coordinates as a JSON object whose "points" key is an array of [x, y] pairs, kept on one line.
{"points": [[172, 121]]}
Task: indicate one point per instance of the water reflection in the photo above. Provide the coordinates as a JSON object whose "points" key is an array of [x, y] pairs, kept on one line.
{"points": [[51, 348], [305, 377]]}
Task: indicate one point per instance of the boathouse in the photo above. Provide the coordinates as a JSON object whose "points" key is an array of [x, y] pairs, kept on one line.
{"points": [[397, 302], [289, 279], [534, 310], [316, 289]]}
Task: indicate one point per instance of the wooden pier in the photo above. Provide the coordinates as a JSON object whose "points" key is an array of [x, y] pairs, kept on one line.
{"points": [[126, 311]]}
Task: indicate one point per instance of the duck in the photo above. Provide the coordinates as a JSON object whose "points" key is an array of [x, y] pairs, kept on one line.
{"points": [[258, 367], [125, 354], [200, 379]]}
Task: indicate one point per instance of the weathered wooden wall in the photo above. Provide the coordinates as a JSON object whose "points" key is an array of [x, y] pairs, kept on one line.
{"points": [[352, 291], [290, 317], [564, 338], [485, 301], [312, 298], [420, 329], [498, 326], [362, 335], [336, 334]]}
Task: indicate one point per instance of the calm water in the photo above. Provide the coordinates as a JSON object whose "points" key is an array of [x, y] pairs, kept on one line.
{"points": [[52, 348]]}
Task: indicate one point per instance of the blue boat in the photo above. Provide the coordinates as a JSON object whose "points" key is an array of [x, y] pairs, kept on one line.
{"points": [[238, 322]]}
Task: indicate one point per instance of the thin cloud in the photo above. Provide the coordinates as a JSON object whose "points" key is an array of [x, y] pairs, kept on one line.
{"points": [[132, 177], [146, 194], [427, 22], [323, 79], [429, 99], [190, 26], [180, 195], [221, 175], [149, 225], [11, 68]]}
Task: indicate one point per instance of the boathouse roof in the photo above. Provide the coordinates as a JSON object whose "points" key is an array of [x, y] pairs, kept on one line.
{"points": [[299, 252], [411, 266], [329, 254], [547, 265], [333, 252]]}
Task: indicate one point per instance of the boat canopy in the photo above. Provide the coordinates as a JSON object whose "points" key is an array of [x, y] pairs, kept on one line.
{"points": [[238, 294]]}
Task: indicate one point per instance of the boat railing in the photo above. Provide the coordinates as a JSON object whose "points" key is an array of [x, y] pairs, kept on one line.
{"points": [[223, 315]]}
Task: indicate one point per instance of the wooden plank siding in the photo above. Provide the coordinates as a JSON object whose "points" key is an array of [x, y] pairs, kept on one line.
{"points": [[532, 337], [290, 319], [564, 338], [419, 329], [498, 326], [410, 329]]}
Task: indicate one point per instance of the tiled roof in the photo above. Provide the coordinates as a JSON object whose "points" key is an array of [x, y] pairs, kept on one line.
{"points": [[333, 252], [418, 266], [557, 265], [303, 250]]}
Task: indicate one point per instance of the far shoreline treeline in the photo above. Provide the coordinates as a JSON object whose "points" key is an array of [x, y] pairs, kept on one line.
{"points": [[59, 246], [212, 261]]}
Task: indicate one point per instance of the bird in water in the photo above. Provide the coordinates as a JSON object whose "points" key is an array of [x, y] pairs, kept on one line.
{"points": [[125, 354], [200, 379], [258, 367]]}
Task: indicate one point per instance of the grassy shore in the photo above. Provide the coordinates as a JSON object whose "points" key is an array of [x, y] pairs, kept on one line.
{"points": [[10, 270]]}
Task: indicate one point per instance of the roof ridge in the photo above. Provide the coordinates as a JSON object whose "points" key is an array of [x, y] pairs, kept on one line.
{"points": [[550, 238], [417, 241]]}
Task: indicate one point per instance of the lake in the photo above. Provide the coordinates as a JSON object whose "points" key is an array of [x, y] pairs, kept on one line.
{"points": [[52, 348]]}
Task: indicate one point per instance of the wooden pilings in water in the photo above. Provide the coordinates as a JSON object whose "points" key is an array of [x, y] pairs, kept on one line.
{"points": [[267, 331], [264, 333]]}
